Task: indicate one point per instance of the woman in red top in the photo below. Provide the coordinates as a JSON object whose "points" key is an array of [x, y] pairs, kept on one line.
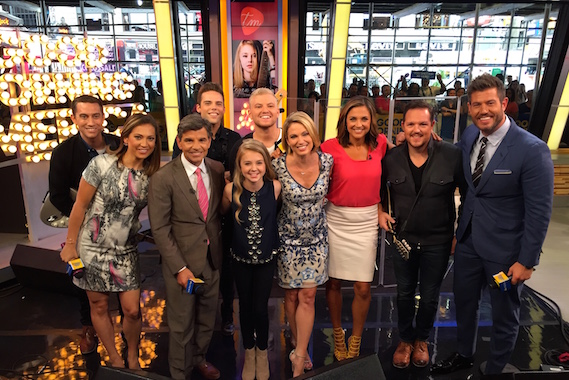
{"points": [[352, 214]]}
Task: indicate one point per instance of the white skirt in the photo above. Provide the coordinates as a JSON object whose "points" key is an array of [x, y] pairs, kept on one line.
{"points": [[353, 237]]}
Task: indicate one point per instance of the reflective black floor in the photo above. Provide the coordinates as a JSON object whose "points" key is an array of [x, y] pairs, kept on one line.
{"points": [[39, 333]]}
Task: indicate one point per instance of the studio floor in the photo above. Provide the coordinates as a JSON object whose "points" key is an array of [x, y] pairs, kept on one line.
{"points": [[39, 332]]}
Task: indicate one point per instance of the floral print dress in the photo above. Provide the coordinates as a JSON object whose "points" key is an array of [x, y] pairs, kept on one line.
{"points": [[303, 256], [106, 241]]}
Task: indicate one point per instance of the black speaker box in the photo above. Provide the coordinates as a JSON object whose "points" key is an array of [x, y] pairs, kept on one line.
{"points": [[529, 375], [41, 268], [360, 368], [108, 373]]}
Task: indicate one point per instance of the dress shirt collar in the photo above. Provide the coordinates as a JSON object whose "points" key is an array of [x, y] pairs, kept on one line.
{"points": [[496, 138], [191, 168]]}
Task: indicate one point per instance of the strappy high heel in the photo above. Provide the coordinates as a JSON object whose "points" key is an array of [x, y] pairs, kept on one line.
{"points": [[293, 355], [340, 350], [308, 364], [354, 343]]}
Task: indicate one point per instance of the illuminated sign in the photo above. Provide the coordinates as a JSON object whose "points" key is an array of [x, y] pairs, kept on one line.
{"points": [[36, 133]]}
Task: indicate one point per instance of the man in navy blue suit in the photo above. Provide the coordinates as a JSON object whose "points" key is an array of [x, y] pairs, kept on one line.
{"points": [[503, 221]]}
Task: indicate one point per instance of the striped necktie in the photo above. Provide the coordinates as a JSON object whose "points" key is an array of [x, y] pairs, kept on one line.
{"points": [[479, 167], [202, 194]]}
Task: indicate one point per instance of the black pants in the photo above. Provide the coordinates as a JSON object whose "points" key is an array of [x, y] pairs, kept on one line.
{"points": [[428, 266], [253, 283], [84, 306], [226, 279]]}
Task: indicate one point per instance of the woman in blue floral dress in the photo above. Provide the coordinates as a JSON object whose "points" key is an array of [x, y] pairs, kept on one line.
{"points": [[302, 264]]}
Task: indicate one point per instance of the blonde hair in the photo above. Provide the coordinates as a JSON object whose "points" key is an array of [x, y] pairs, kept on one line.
{"points": [[303, 119], [238, 79], [249, 145], [262, 91]]}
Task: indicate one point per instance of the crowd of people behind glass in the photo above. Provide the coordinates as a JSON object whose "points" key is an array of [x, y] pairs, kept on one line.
{"points": [[519, 106]]}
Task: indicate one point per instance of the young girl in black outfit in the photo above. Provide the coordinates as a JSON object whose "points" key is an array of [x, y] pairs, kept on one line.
{"points": [[252, 198]]}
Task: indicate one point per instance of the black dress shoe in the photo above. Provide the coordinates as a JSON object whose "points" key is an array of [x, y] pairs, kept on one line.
{"points": [[451, 364]]}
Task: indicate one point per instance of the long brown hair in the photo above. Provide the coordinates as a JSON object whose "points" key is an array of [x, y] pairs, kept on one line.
{"points": [[152, 162], [249, 145], [343, 135]]}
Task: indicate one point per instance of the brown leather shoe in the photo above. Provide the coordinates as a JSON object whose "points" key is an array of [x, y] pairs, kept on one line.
{"points": [[402, 355], [208, 371], [420, 354], [89, 340]]}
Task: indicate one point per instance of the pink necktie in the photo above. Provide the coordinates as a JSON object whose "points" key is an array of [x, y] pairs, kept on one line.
{"points": [[202, 194]]}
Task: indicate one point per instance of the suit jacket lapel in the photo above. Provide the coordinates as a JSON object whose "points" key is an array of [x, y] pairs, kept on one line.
{"points": [[181, 178], [214, 189], [468, 144]]}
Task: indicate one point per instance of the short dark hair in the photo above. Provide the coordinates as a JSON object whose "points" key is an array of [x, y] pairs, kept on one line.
{"points": [[85, 99], [486, 82], [419, 104], [193, 122], [210, 86]]}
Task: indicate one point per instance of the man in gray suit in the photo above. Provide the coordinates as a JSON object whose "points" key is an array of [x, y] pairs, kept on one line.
{"points": [[183, 204]]}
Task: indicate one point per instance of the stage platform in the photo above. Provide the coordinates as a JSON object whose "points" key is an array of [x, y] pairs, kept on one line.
{"points": [[40, 329]]}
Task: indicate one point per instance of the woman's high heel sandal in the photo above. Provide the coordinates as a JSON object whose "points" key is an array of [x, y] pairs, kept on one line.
{"points": [[354, 343], [340, 350], [292, 356]]}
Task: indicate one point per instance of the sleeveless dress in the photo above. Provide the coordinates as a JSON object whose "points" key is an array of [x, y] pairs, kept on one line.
{"points": [[106, 242], [303, 256]]}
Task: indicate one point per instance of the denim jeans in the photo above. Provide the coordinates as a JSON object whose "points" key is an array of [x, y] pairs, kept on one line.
{"points": [[427, 266]]}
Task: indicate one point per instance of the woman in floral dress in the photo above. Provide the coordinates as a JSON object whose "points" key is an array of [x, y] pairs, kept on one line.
{"points": [[102, 229], [302, 264]]}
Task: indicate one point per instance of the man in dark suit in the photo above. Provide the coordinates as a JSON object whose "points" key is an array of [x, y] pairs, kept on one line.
{"points": [[504, 217], [422, 176], [183, 203], [67, 163]]}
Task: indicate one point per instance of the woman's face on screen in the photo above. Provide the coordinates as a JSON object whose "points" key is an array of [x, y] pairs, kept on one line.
{"points": [[248, 59]]}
